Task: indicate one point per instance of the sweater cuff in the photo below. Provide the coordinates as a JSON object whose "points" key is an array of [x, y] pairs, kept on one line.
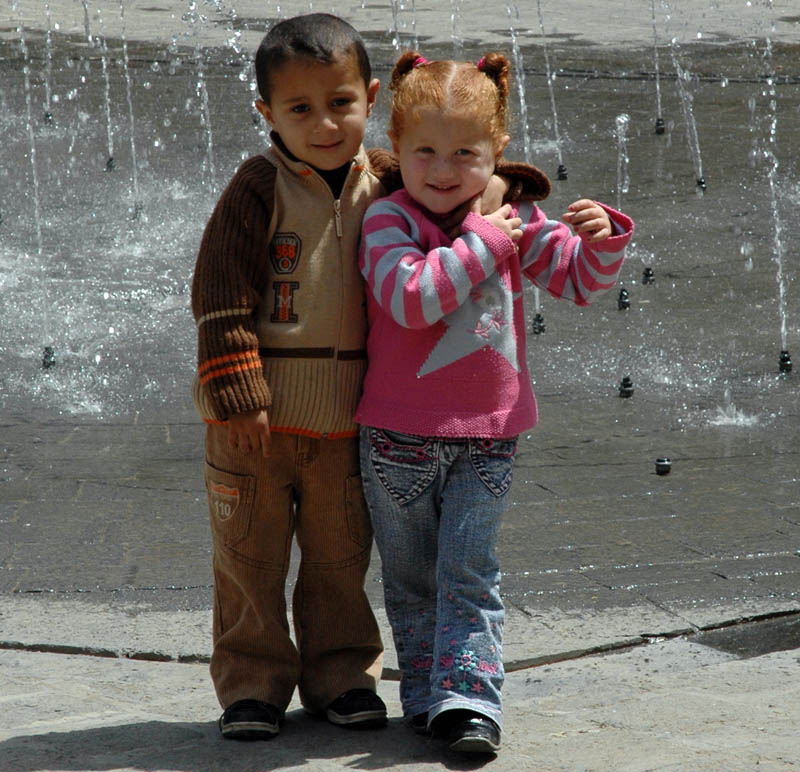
{"points": [[500, 245], [228, 401], [622, 231]]}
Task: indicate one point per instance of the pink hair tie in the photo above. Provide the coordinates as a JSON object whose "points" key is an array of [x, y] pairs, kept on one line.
{"points": [[419, 61], [481, 63]]}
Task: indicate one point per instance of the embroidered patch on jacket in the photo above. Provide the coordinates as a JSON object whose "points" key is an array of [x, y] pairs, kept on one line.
{"points": [[284, 252], [224, 500], [283, 307]]}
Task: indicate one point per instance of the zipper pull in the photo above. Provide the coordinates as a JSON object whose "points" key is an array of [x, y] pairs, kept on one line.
{"points": [[337, 214]]}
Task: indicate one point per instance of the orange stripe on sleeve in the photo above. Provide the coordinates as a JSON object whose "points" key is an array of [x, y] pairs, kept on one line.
{"points": [[244, 356]]}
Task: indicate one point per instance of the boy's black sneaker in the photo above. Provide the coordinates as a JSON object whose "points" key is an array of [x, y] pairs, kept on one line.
{"points": [[357, 709], [250, 720]]}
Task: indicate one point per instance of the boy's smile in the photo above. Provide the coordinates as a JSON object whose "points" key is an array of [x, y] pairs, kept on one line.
{"points": [[320, 110], [445, 159]]}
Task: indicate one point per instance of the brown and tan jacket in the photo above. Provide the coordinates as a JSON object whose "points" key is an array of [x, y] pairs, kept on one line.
{"points": [[278, 297]]}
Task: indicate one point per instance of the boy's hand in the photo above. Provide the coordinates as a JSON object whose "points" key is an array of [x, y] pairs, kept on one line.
{"points": [[586, 216], [249, 432], [501, 218]]}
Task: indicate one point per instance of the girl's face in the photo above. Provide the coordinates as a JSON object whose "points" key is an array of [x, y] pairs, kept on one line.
{"points": [[445, 159]]}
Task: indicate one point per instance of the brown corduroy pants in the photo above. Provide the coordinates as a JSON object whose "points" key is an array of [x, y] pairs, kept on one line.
{"points": [[310, 488]]}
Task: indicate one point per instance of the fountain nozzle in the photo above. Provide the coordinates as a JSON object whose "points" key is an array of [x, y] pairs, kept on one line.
{"points": [[648, 276], [623, 300], [660, 126], [538, 326], [663, 465], [48, 358], [110, 164], [626, 387], [48, 117], [561, 173], [785, 362], [701, 183]]}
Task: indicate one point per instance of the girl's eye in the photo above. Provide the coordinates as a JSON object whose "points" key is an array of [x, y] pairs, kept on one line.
{"points": [[463, 151], [424, 149]]}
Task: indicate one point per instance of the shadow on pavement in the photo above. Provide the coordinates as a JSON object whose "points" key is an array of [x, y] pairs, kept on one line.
{"points": [[304, 741]]}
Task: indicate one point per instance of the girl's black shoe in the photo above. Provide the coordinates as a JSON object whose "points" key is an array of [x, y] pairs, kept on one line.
{"points": [[467, 731]]}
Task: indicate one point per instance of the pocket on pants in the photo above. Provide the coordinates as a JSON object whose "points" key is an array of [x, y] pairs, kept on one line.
{"points": [[493, 462], [405, 464], [230, 503]]}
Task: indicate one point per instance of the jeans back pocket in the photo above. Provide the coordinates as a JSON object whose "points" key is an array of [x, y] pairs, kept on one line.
{"points": [[493, 462], [405, 464]]}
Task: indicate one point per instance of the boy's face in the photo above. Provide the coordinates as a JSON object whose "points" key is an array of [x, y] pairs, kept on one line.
{"points": [[320, 110], [445, 159]]}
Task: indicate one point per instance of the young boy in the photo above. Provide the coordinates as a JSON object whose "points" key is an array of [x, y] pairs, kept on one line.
{"points": [[279, 305], [280, 309]]}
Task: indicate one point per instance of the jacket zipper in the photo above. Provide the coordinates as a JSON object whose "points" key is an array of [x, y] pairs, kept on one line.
{"points": [[337, 214]]}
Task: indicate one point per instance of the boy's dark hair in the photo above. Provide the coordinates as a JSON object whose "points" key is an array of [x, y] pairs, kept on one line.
{"points": [[322, 37]]}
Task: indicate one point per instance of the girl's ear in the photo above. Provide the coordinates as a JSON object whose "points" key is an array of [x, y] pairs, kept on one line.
{"points": [[263, 108], [501, 145], [393, 140]]}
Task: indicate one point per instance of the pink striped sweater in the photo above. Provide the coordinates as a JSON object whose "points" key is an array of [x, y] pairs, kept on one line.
{"points": [[446, 343]]}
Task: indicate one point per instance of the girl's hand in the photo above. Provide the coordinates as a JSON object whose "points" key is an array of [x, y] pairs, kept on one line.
{"points": [[490, 200], [249, 432], [586, 216], [501, 218]]}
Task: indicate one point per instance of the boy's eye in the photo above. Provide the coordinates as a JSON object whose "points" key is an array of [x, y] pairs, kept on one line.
{"points": [[300, 108], [341, 102]]}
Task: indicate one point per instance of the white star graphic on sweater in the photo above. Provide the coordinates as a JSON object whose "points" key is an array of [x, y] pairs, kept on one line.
{"points": [[484, 319]]}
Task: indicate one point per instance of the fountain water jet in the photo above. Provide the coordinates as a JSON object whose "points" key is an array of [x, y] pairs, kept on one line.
{"points": [[48, 114], [659, 115], [519, 77], [561, 172], [137, 203], [688, 115], [107, 93]]}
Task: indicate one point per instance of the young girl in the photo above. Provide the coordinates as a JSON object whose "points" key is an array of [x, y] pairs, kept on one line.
{"points": [[447, 389]]}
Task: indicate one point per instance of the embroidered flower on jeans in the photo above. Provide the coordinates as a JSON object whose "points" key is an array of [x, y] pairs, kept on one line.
{"points": [[477, 687], [466, 661], [447, 683]]}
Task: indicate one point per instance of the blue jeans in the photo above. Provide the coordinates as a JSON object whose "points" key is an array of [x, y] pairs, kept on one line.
{"points": [[436, 506]]}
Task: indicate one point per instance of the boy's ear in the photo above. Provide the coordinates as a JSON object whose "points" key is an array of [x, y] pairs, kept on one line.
{"points": [[263, 108], [501, 146], [372, 92]]}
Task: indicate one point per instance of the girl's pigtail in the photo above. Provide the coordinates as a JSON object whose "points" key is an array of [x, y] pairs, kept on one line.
{"points": [[497, 67], [403, 66]]}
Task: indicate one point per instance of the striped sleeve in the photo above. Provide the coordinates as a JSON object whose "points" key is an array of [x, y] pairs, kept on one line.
{"points": [[417, 286], [567, 265], [227, 286]]}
